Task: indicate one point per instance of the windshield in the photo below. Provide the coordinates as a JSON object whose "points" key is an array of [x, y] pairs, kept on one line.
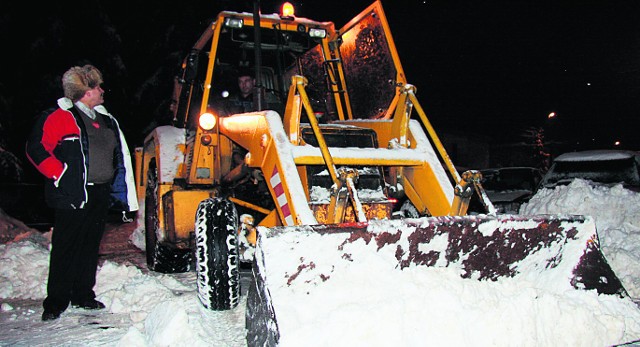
{"points": [[369, 67], [370, 73], [279, 57]]}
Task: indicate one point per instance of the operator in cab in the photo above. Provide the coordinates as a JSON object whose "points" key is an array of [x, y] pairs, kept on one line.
{"points": [[244, 99]]}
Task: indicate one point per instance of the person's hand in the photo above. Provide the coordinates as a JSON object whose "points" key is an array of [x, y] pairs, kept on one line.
{"points": [[56, 180]]}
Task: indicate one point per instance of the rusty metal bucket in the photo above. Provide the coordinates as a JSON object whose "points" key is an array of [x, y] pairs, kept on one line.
{"points": [[557, 253]]}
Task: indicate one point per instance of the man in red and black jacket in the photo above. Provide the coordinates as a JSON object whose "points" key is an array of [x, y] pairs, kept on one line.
{"points": [[82, 152]]}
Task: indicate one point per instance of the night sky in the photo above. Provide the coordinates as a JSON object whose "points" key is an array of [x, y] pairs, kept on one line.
{"points": [[485, 68]]}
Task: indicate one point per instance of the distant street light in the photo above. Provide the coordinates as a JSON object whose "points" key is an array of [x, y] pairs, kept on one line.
{"points": [[551, 115]]}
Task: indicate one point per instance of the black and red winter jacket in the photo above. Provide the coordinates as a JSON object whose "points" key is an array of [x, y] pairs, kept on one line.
{"points": [[57, 146]]}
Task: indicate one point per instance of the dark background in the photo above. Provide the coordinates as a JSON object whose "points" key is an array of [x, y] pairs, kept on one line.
{"points": [[482, 68]]}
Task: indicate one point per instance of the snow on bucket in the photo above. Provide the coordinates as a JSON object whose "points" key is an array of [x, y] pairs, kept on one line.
{"points": [[328, 271]]}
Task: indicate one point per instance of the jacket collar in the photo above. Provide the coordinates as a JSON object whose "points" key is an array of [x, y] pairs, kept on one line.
{"points": [[66, 104]]}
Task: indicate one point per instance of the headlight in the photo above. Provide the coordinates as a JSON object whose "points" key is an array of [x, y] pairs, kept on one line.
{"points": [[316, 32], [207, 121], [233, 22]]}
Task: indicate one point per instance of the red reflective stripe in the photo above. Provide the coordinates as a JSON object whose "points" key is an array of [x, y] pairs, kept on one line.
{"points": [[278, 189], [285, 210]]}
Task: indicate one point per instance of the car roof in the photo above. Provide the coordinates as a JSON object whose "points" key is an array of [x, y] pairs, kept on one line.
{"points": [[596, 155], [508, 168]]}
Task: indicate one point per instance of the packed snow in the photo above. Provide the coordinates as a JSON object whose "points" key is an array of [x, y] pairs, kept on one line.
{"points": [[617, 214], [151, 309]]}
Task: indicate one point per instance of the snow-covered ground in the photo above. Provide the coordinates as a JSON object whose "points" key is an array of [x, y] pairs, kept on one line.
{"points": [[143, 308], [150, 309]]}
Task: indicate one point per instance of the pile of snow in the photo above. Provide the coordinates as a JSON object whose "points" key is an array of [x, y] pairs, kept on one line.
{"points": [[616, 212]]}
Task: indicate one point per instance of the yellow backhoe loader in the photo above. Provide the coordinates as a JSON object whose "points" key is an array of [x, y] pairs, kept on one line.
{"points": [[348, 150]]}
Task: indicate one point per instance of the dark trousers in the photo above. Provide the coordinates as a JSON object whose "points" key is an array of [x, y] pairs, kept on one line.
{"points": [[75, 243]]}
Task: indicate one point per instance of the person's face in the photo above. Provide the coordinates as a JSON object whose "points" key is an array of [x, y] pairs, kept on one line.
{"points": [[94, 97], [246, 84]]}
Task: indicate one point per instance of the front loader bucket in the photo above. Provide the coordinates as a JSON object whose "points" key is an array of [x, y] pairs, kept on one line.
{"points": [[350, 265]]}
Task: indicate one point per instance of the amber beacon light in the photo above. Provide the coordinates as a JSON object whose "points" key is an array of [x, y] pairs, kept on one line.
{"points": [[287, 10]]}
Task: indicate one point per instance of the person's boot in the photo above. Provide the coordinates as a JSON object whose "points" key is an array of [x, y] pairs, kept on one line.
{"points": [[48, 315], [92, 304]]}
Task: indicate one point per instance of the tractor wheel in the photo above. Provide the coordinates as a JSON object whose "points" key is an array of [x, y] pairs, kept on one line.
{"points": [[161, 257], [217, 261]]}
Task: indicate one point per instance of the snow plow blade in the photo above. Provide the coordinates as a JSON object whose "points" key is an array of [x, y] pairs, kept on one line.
{"points": [[555, 254]]}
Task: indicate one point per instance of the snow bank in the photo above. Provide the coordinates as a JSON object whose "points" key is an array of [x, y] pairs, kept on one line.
{"points": [[616, 212]]}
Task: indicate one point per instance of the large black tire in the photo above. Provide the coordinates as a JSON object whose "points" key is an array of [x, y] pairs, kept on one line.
{"points": [[217, 260], [151, 215], [161, 257], [260, 319]]}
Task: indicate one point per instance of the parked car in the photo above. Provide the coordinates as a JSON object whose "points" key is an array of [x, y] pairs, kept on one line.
{"points": [[602, 167], [510, 187]]}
